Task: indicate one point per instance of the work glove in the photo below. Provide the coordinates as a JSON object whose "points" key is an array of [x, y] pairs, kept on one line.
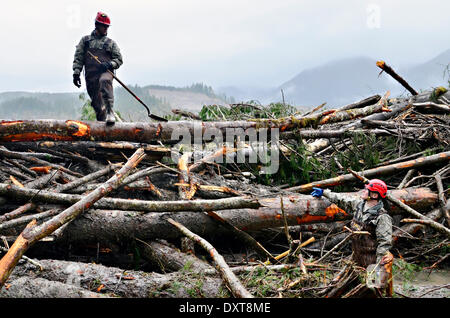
{"points": [[106, 66], [318, 192], [387, 258], [76, 80]]}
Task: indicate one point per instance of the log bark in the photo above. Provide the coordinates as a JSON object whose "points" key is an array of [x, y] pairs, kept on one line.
{"points": [[170, 259], [228, 276], [124, 283], [389, 169], [362, 103], [412, 229], [26, 287], [344, 133], [91, 149], [72, 130], [437, 226], [33, 233], [87, 178], [106, 226], [350, 114], [398, 78], [23, 194]]}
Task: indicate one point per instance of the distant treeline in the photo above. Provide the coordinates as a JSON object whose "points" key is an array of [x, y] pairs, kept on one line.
{"points": [[196, 88], [27, 105]]}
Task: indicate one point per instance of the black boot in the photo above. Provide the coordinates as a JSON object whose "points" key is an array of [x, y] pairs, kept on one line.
{"points": [[110, 118]]}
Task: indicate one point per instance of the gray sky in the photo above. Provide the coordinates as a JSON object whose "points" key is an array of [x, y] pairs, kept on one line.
{"points": [[219, 43]]}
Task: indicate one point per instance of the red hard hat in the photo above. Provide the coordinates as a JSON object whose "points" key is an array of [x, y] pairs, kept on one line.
{"points": [[377, 185], [102, 18]]}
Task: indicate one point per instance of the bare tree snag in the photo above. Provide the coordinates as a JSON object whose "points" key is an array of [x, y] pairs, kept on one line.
{"points": [[229, 277], [398, 78], [32, 233], [389, 169]]}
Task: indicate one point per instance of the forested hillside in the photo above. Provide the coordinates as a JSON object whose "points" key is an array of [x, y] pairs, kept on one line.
{"points": [[33, 105]]}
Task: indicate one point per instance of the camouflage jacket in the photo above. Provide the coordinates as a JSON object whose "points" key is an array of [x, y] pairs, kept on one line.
{"points": [[98, 42], [370, 216]]}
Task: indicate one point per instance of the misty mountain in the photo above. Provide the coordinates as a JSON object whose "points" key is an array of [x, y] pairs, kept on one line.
{"points": [[430, 74], [344, 81]]}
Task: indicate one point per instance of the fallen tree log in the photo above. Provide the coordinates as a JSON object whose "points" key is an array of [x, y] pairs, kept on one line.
{"points": [[26, 287], [123, 283], [406, 231], [389, 169], [170, 259], [398, 78], [23, 194], [148, 132], [92, 149], [106, 226], [343, 133]]}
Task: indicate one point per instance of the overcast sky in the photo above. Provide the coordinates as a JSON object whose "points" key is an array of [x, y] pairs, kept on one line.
{"points": [[217, 42]]}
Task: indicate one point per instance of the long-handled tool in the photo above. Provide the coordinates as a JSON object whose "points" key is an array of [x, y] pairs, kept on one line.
{"points": [[153, 116]]}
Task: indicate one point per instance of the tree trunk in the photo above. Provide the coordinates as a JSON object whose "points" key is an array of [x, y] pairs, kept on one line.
{"points": [[23, 194], [26, 287], [121, 226], [123, 283]]}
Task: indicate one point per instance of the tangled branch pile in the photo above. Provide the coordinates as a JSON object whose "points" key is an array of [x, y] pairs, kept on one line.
{"points": [[127, 199]]}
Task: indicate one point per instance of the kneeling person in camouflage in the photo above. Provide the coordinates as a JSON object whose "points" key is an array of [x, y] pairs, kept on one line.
{"points": [[370, 215], [98, 79]]}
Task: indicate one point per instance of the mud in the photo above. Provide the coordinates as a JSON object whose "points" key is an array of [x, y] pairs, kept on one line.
{"points": [[425, 284]]}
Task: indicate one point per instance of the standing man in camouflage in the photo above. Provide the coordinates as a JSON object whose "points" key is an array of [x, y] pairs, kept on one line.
{"points": [[369, 214], [98, 79]]}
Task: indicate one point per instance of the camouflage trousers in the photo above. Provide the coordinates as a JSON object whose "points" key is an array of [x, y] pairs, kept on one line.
{"points": [[101, 92]]}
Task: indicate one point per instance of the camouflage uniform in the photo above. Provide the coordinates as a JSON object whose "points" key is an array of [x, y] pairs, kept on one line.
{"points": [[368, 249], [98, 84]]}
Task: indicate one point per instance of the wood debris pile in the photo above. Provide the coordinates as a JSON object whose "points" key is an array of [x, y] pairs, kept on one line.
{"points": [[130, 200]]}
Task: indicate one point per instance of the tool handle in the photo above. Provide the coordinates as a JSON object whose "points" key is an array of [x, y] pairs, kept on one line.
{"points": [[129, 91]]}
